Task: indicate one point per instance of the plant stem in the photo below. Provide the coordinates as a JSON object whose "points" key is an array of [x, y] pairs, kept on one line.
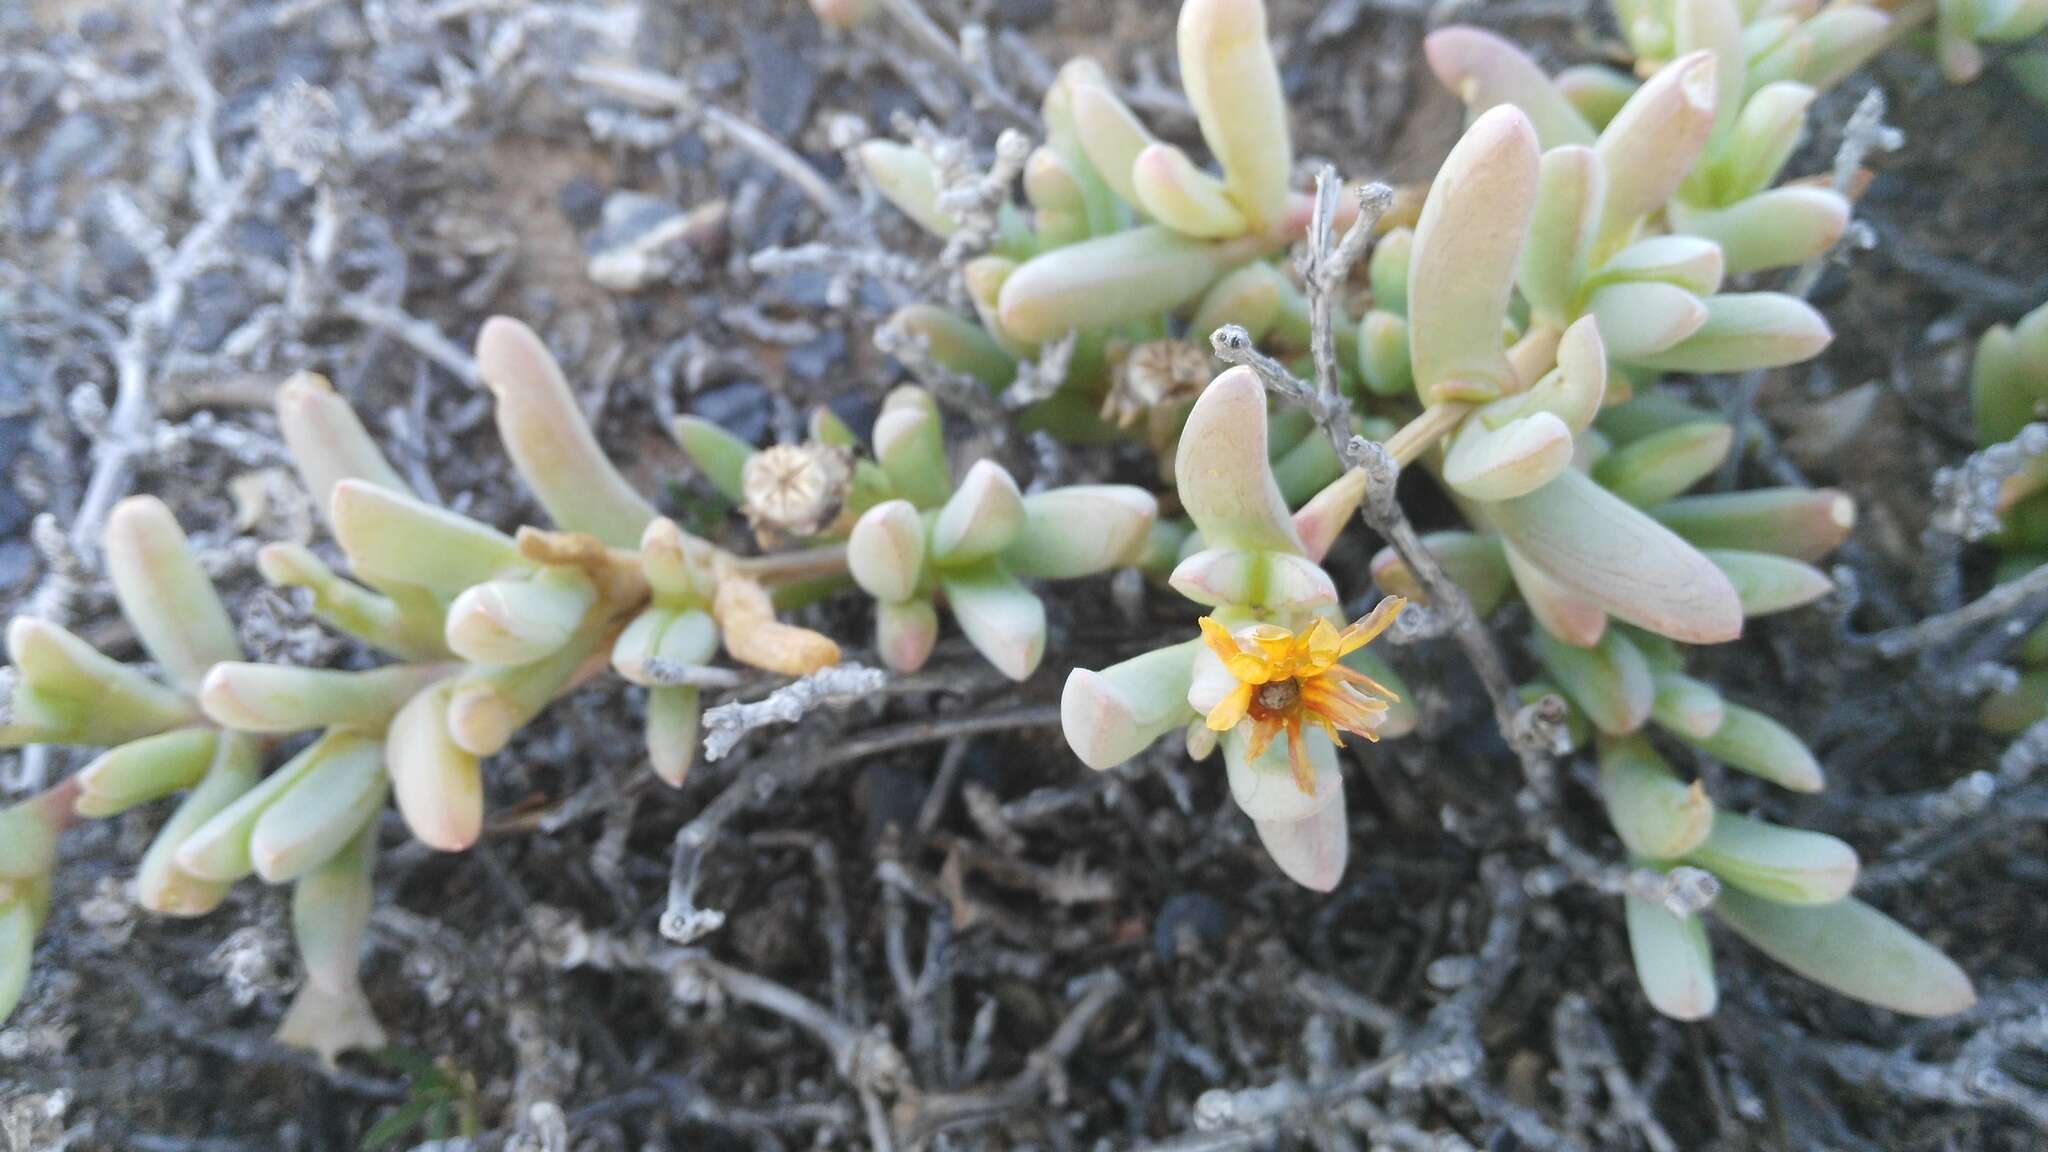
{"points": [[1417, 436], [793, 567]]}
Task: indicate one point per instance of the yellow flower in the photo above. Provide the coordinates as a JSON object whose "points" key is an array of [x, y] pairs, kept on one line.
{"points": [[1286, 679]]}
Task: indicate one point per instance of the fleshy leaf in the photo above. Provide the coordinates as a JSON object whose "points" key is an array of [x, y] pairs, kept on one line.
{"points": [[1467, 245], [1774, 229], [721, 456], [911, 447], [1787, 865], [1571, 187], [318, 815], [1231, 78], [508, 622], [1749, 741], [1685, 705], [1609, 681], [957, 343], [393, 537], [438, 786], [1558, 610], [1689, 262], [1746, 330], [1606, 551], [1768, 583], [1000, 617], [164, 593], [327, 440], [1802, 523], [1663, 464], [1109, 132], [1311, 851], [1653, 142], [219, 849], [550, 442], [1485, 70], [1112, 715], [1475, 563], [981, 518], [1114, 279], [674, 716], [1641, 318], [17, 952], [67, 692], [904, 176], [1265, 788], [276, 698], [1655, 814], [141, 771], [330, 914], [1234, 576], [161, 884], [885, 552], [1183, 197], [1080, 530], [1489, 464], [1322, 519], [1854, 949], [905, 632], [1673, 960], [1222, 473]]}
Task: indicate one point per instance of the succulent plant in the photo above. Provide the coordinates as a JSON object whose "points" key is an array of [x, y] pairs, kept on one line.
{"points": [[974, 544], [1121, 231], [2008, 385], [1783, 890], [1504, 423], [1571, 250], [484, 630], [1963, 27], [1275, 677]]}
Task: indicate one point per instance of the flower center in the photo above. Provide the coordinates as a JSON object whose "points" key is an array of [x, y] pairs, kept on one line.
{"points": [[1278, 696]]}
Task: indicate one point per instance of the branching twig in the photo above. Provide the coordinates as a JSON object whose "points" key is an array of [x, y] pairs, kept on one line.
{"points": [[834, 686], [760, 779], [1043, 1071]]}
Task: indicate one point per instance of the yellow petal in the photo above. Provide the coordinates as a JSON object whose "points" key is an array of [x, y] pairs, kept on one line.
{"points": [[1368, 627], [1345, 675], [1249, 667], [1321, 647], [1277, 643], [1219, 639], [1263, 731], [1297, 758], [1231, 709]]}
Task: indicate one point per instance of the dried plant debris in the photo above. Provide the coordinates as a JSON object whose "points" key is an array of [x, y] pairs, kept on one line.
{"points": [[902, 419]]}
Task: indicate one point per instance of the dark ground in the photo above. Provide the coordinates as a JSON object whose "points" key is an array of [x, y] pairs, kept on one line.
{"points": [[473, 174]]}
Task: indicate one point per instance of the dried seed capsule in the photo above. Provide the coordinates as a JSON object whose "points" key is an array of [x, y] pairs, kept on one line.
{"points": [[795, 490]]}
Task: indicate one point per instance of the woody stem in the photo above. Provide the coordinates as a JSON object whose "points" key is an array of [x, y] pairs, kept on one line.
{"points": [[793, 567], [1415, 437]]}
